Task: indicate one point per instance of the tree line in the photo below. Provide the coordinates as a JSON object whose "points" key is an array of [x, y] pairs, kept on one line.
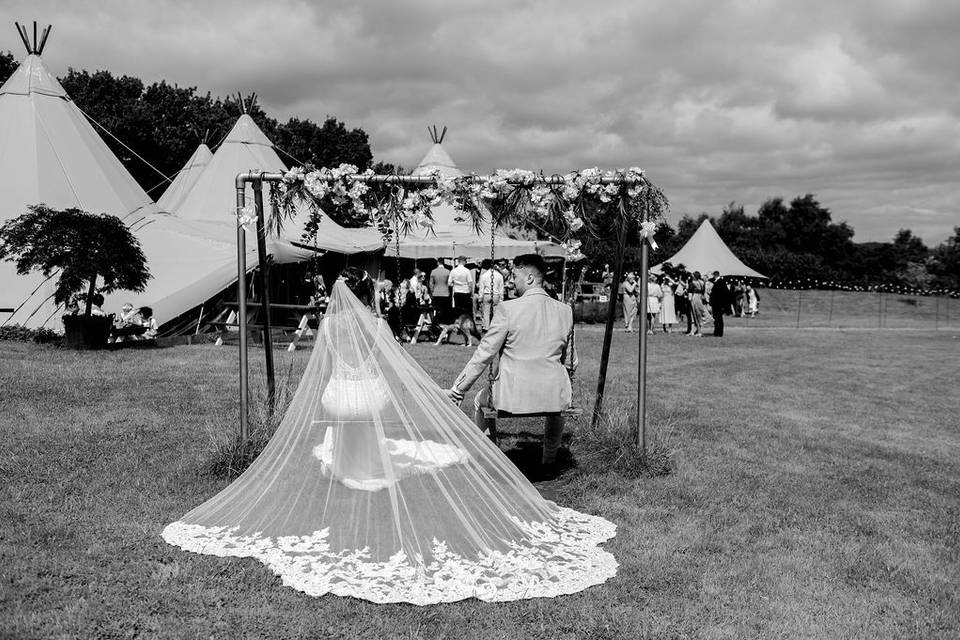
{"points": [[800, 240], [165, 123]]}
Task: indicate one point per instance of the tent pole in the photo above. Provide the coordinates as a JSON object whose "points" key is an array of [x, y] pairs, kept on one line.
{"points": [[640, 437], [242, 310], [265, 293]]}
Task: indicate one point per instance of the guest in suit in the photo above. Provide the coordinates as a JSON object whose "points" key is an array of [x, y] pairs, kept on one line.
{"points": [[720, 302], [531, 336]]}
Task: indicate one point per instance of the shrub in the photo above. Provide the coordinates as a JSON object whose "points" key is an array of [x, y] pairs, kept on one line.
{"points": [[20, 333]]}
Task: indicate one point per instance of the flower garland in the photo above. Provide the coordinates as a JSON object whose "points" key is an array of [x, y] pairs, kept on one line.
{"points": [[563, 203]]}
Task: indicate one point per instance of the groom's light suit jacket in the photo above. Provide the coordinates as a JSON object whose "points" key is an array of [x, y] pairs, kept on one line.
{"points": [[531, 334]]}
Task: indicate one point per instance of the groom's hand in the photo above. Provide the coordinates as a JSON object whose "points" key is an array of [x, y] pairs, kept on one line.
{"points": [[455, 396]]}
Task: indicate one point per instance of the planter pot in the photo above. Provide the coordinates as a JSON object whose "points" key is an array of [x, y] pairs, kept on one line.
{"points": [[81, 332]]}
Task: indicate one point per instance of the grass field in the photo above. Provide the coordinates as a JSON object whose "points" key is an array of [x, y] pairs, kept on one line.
{"points": [[853, 310], [816, 495]]}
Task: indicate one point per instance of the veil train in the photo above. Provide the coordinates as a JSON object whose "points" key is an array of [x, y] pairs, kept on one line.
{"points": [[376, 486]]}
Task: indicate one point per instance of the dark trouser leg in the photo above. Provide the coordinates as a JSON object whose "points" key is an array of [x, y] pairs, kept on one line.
{"points": [[552, 433], [717, 321]]}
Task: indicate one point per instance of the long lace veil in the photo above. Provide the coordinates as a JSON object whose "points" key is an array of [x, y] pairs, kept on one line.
{"points": [[376, 486]]}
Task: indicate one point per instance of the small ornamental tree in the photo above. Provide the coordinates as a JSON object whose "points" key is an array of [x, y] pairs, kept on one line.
{"points": [[90, 251]]}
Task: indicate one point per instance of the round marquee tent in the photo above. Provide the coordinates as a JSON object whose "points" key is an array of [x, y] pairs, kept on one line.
{"points": [[706, 252]]}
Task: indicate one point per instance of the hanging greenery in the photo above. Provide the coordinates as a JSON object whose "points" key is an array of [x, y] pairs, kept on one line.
{"points": [[561, 206]]}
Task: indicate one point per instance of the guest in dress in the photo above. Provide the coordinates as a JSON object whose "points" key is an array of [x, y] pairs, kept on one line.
{"points": [[753, 301], [654, 297], [630, 289], [681, 302], [695, 293], [668, 315]]}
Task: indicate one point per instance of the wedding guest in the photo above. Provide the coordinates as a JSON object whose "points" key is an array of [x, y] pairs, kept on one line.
{"points": [[509, 288], [654, 297], [737, 293], [148, 322], [753, 301], [462, 284], [681, 303], [607, 278], [440, 290], [630, 289], [695, 292], [407, 301], [720, 302], [668, 316]]}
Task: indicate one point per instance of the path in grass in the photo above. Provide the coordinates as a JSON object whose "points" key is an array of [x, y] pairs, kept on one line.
{"points": [[816, 496]]}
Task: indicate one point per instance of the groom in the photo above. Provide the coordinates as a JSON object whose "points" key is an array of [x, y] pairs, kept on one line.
{"points": [[531, 336]]}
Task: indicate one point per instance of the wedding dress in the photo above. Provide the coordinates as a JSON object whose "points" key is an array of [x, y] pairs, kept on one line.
{"points": [[376, 486]]}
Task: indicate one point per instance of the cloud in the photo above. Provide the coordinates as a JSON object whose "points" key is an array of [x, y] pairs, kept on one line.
{"points": [[742, 100]]}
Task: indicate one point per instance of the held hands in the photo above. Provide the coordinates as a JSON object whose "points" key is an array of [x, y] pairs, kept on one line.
{"points": [[455, 396]]}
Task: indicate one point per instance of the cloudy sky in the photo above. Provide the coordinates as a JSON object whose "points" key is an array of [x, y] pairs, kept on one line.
{"points": [[855, 101]]}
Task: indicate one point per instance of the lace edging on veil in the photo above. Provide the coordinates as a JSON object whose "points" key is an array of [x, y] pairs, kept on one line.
{"points": [[566, 559]]}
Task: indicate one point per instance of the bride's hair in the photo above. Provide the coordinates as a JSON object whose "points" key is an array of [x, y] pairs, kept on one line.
{"points": [[359, 282]]}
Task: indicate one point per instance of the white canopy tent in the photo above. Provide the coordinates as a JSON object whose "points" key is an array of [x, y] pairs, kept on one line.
{"points": [[449, 237], [706, 252]]}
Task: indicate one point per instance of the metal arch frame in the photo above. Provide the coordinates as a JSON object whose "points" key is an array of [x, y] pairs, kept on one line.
{"points": [[258, 178]]}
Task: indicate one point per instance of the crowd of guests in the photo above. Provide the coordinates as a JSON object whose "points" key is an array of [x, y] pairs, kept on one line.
{"points": [[132, 323], [677, 296], [451, 292]]}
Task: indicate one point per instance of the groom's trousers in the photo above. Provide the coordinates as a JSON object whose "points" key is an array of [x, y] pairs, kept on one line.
{"points": [[553, 424]]}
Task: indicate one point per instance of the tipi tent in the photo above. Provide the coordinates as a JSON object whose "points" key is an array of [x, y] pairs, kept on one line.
{"points": [[50, 154], [706, 252], [450, 238], [186, 178], [211, 201]]}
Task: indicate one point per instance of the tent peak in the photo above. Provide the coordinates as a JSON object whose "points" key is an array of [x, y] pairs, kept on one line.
{"points": [[36, 45], [246, 104], [437, 138]]}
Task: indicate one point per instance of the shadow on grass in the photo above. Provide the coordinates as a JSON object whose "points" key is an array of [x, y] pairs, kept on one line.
{"points": [[526, 455]]}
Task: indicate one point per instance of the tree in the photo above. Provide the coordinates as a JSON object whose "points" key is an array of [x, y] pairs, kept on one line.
{"points": [[8, 64], [945, 264], [84, 248]]}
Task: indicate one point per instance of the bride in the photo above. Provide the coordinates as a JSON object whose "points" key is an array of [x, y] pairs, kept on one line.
{"points": [[376, 486]]}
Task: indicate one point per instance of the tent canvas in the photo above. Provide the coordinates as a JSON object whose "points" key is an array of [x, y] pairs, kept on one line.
{"points": [[177, 190], [706, 252], [211, 201], [450, 237]]}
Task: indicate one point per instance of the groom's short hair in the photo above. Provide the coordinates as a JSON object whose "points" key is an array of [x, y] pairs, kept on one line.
{"points": [[532, 261]]}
